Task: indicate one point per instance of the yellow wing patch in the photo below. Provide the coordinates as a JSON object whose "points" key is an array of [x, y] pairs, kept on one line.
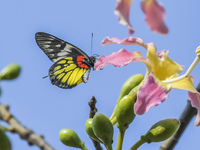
{"points": [[75, 76], [72, 78], [57, 68], [62, 61], [65, 78], [59, 71], [70, 67], [60, 75], [68, 58], [79, 81], [66, 74], [70, 62]]}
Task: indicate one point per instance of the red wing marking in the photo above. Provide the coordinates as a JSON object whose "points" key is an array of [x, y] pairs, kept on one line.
{"points": [[80, 62]]}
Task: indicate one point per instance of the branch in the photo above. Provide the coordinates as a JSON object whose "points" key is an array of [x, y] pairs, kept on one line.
{"points": [[26, 134], [93, 110], [185, 118]]}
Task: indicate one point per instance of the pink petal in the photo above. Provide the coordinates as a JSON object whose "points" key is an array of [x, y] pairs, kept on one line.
{"points": [[122, 11], [195, 101], [126, 41], [119, 59], [155, 14], [193, 94], [151, 93]]}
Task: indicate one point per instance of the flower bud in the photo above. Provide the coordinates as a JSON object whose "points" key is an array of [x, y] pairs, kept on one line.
{"points": [[161, 131], [130, 84], [103, 129], [4, 141], [89, 130], [124, 112], [70, 138], [10, 72]]}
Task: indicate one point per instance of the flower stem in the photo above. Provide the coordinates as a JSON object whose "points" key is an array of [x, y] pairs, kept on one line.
{"points": [[137, 145], [109, 147], [114, 121], [84, 148], [114, 111], [120, 139], [113, 114], [192, 66]]}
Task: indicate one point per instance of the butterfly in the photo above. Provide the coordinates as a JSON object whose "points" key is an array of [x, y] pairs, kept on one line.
{"points": [[72, 66]]}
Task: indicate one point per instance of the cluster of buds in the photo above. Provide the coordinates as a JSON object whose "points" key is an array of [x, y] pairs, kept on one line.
{"points": [[100, 127]]}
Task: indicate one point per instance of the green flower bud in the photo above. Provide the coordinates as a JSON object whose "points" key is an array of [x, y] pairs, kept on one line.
{"points": [[130, 84], [89, 130], [4, 141], [10, 72], [70, 138], [103, 129], [161, 131], [124, 112]]}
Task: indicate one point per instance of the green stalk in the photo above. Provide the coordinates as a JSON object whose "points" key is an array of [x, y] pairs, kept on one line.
{"points": [[114, 112], [137, 145], [84, 148], [120, 139], [109, 147], [114, 121]]}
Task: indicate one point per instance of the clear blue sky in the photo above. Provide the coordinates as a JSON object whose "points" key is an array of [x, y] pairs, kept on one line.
{"points": [[46, 109]]}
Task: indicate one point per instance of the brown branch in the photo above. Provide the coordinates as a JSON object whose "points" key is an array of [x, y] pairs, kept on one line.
{"points": [[26, 134], [185, 118], [93, 110]]}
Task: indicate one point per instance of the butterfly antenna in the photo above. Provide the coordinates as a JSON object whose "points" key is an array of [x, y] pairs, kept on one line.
{"points": [[91, 43], [44, 77]]}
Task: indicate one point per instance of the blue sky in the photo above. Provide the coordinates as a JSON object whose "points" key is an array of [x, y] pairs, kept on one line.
{"points": [[46, 109]]}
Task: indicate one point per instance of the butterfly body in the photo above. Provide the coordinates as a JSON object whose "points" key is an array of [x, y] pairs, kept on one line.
{"points": [[72, 66]]}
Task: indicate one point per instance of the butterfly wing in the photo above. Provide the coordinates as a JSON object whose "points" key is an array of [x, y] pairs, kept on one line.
{"points": [[69, 70], [56, 48], [66, 73]]}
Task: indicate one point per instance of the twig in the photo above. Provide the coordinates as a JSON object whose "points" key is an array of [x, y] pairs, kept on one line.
{"points": [[93, 110], [185, 118], [16, 127]]}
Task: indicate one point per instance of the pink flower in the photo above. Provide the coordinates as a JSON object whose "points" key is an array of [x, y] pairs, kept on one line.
{"points": [[154, 12], [148, 97], [122, 11], [155, 15], [119, 59], [160, 67]]}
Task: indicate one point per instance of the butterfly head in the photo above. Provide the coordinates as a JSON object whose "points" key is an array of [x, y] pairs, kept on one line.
{"points": [[92, 61]]}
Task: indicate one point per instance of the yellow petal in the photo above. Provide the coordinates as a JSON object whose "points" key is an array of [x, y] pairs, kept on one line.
{"points": [[185, 84], [151, 55], [163, 66], [167, 68]]}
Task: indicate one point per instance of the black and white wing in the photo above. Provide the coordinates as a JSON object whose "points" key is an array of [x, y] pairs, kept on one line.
{"points": [[56, 48]]}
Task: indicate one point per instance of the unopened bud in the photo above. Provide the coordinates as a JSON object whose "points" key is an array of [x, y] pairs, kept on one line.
{"points": [[10, 72], [103, 129], [132, 82], [89, 130], [124, 112], [70, 138], [161, 131]]}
